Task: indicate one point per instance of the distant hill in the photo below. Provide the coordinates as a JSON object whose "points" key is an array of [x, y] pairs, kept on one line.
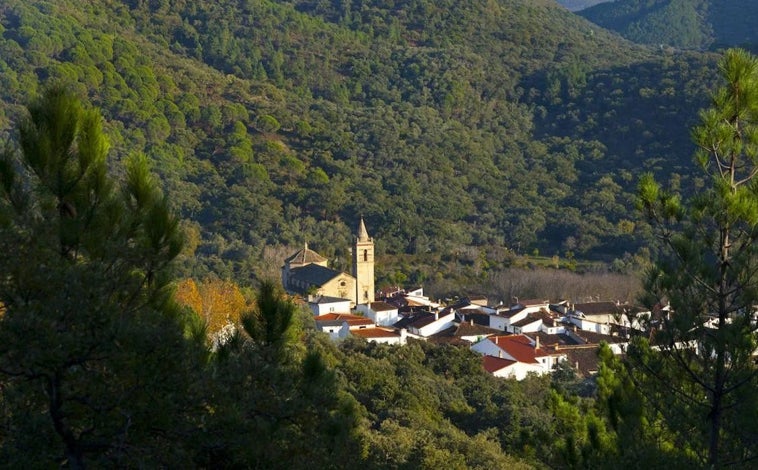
{"points": [[576, 5], [451, 127], [693, 24]]}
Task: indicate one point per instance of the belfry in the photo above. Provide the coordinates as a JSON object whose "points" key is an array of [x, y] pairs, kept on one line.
{"points": [[363, 265]]}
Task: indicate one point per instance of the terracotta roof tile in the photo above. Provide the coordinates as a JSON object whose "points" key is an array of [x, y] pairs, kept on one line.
{"points": [[584, 358], [520, 347], [510, 312], [493, 364], [422, 321], [339, 318], [380, 306], [526, 321], [375, 333]]}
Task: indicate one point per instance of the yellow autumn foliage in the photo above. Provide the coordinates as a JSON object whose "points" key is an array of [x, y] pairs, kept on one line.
{"points": [[218, 302]]}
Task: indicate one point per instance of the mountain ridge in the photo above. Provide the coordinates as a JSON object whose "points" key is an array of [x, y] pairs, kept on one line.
{"points": [[700, 24]]}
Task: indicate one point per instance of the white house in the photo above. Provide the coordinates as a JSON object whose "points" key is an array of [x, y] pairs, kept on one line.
{"points": [[382, 335], [416, 297], [588, 325], [322, 304], [338, 325], [546, 321], [509, 369], [531, 305], [473, 333], [610, 313], [522, 349], [380, 312], [433, 323], [505, 317], [530, 324]]}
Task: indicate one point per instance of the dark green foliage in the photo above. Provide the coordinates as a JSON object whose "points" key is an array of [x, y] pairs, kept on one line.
{"points": [[678, 23], [276, 402], [689, 24], [99, 367], [280, 122], [416, 398], [576, 5], [430, 401], [269, 323], [93, 359], [696, 375]]}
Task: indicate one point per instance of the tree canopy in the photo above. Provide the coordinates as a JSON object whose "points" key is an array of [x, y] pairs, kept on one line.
{"points": [[89, 319], [695, 375], [273, 123]]}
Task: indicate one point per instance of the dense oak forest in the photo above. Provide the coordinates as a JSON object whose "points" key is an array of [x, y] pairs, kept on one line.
{"points": [[692, 24], [577, 5], [459, 131], [164, 155]]}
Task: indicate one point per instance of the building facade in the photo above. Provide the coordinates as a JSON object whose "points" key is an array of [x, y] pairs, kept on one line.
{"points": [[306, 273]]}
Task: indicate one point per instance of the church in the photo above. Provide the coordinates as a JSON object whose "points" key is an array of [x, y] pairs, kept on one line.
{"points": [[307, 273]]}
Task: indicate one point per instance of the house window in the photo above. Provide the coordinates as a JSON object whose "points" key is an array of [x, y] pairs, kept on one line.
{"points": [[365, 294], [343, 283], [365, 255]]}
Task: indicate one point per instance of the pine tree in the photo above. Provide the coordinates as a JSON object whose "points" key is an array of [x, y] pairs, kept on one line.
{"points": [[95, 367], [278, 403], [697, 372]]}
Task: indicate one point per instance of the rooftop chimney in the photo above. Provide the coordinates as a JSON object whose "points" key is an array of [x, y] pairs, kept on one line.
{"points": [[537, 342]]}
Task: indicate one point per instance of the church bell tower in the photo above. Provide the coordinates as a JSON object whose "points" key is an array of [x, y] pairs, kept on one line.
{"points": [[363, 266]]}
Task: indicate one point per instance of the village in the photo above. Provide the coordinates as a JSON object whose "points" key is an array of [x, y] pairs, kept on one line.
{"points": [[515, 338]]}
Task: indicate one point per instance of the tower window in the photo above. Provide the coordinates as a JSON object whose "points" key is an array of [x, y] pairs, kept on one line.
{"points": [[365, 255]]}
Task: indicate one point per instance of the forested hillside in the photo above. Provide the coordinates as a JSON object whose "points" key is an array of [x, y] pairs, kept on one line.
{"points": [[447, 125], [576, 5], [691, 24], [163, 156]]}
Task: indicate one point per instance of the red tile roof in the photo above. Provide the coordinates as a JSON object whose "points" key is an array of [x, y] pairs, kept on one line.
{"points": [[510, 312], [520, 347], [424, 320], [375, 333], [584, 359], [526, 321], [493, 364], [380, 306], [350, 319]]}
